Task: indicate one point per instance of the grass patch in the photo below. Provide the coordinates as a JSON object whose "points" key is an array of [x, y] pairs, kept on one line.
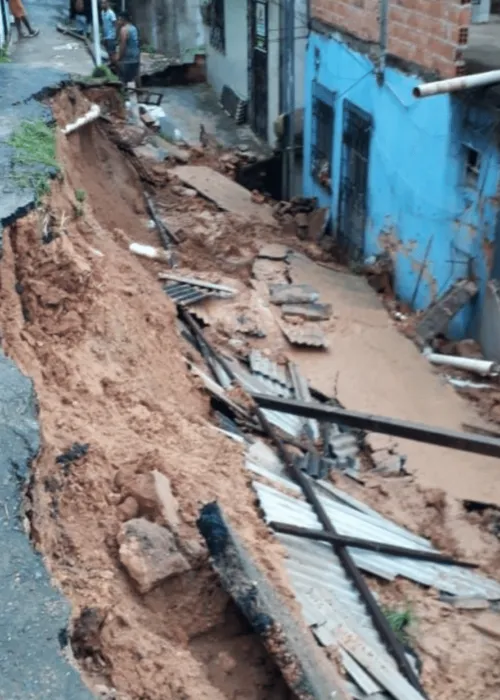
{"points": [[4, 57], [80, 195], [400, 620], [104, 71], [34, 160]]}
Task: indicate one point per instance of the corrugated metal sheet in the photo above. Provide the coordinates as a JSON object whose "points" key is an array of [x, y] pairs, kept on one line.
{"points": [[185, 293], [347, 521], [265, 368], [292, 425], [307, 335], [330, 602]]}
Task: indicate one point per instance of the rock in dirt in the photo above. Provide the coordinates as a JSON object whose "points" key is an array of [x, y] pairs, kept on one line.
{"points": [[169, 508], [149, 553]]}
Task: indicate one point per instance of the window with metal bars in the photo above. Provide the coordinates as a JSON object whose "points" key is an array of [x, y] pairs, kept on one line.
{"points": [[323, 118], [218, 26]]}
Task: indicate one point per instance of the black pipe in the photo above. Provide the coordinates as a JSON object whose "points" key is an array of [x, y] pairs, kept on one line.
{"points": [[369, 545], [379, 620], [453, 439]]}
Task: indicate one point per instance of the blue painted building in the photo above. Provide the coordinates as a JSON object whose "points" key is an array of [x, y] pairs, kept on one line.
{"points": [[418, 178]]}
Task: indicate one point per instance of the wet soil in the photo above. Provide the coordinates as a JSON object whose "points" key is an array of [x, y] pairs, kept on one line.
{"points": [[92, 326]]}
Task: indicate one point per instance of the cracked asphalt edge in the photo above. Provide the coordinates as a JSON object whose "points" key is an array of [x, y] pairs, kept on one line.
{"points": [[34, 616]]}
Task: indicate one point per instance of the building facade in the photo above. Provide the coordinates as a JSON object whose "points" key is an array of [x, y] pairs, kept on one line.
{"points": [[244, 52], [4, 22], [417, 178]]}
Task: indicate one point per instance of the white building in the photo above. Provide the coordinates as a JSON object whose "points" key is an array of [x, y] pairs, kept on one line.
{"points": [[243, 51]]}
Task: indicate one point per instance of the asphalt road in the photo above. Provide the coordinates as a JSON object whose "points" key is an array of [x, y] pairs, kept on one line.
{"points": [[33, 615], [37, 67]]}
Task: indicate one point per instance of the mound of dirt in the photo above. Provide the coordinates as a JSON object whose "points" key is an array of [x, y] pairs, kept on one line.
{"points": [[90, 324]]}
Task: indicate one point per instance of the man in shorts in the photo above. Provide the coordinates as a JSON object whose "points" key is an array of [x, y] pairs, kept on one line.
{"points": [[128, 56]]}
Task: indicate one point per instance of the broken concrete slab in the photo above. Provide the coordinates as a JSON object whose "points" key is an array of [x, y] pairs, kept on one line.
{"points": [[292, 294], [149, 553], [303, 667], [225, 193], [274, 251], [311, 312]]}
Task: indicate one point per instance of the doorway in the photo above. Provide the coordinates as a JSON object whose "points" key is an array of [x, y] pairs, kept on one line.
{"points": [[258, 71], [353, 195]]}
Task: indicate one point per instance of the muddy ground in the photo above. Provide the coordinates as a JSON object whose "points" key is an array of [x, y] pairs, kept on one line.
{"points": [[91, 324]]}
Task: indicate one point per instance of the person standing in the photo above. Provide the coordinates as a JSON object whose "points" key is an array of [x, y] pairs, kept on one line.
{"points": [[108, 18], [128, 57], [17, 10]]}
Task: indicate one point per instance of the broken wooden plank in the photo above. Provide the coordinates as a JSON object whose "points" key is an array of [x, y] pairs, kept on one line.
{"points": [[304, 669], [292, 294], [225, 193], [194, 282], [311, 312]]}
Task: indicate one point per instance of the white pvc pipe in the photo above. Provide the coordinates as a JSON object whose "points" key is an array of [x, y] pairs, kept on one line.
{"points": [[93, 114], [95, 33], [465, 82], [483, 367], [149, 251]]}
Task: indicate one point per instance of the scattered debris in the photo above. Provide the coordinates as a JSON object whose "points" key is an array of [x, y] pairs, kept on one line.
{"points": [[308, 335], [218, 289], [437, 317], [149, 553], [311, 312]]}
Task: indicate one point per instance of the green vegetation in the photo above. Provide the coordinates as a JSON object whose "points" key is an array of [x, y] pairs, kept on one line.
{"points": [[148, 48], [104, 71], [80, 196], [400, 620], [4, 57], [34, 160]]}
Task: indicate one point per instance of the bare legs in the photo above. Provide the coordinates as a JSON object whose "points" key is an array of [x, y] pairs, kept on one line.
{"points": [[25, 21]]}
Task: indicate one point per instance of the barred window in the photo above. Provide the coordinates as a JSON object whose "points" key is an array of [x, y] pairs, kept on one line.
{"points": [[218, 26], [323, 117]]}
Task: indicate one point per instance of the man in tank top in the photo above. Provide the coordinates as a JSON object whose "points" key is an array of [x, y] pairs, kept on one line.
{"points": [[128, 56]]}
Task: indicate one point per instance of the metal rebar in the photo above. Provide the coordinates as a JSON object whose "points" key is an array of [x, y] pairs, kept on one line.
{"points": [[369, 545], [453, 439]]}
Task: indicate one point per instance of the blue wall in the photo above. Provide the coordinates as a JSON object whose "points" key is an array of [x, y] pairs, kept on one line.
{"points": [[416, 183]]}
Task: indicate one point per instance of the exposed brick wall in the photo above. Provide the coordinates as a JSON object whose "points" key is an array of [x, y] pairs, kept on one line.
{"points": [[430, 33]]}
